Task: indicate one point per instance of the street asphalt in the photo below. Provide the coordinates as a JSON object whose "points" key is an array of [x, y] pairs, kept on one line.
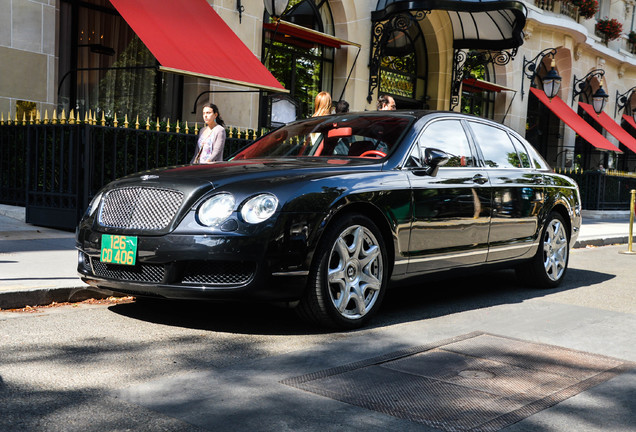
{"points": [[577, 340], [39, 265]]}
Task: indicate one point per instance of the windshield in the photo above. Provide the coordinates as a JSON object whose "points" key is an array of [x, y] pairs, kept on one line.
{"points": [[355, 135]]}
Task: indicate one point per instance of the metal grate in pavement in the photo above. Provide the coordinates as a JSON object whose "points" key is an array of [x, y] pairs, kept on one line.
{"points": [[475, 382]]}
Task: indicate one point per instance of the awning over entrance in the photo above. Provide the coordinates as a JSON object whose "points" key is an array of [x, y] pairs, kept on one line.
{"points": [[629, 120], [476, 85], [306, 34], [477, 24], [611, 126], [573, 120], [191, 38]]}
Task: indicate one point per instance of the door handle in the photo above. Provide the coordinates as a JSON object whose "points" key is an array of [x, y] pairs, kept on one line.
{"points": [[480, 179]]}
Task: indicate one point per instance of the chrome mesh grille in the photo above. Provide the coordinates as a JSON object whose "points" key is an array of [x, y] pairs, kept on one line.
{"points": [[218, 273], [151, 273], [140, 208]]}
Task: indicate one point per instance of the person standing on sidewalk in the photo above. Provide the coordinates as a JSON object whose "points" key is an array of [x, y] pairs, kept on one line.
{"points": [[212, 137]]}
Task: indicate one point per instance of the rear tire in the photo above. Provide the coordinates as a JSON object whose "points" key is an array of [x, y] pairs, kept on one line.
{"points": [[348, 276], [548, 267]]}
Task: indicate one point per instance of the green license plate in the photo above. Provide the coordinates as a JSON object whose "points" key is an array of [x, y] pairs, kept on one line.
{"points": [[119, 249]]}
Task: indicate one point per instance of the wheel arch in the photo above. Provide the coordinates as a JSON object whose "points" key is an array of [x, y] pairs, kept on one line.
{"points": [[562, 209], [376, 215]]}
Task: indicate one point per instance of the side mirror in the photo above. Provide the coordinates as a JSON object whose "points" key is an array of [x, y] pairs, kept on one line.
{"points": [[435, 158]]}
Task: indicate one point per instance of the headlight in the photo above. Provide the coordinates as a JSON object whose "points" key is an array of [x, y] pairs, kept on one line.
{"points": [[94, 204], [259, 208], [216, 210]]}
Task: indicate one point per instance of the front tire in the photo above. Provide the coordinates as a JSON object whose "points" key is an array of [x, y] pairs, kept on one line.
{"points": [[548, 267], [348, 277]]}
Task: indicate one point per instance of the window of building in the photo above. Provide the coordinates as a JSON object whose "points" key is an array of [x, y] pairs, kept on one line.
{"points": [[303, 67], [104, 66], [479, 103]]}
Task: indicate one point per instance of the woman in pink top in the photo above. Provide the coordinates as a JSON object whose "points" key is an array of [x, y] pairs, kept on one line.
{"points": [[212, 137]]}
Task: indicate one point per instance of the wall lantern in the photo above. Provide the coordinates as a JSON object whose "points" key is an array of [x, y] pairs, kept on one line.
{"points": [[621, 101], [276, 8], [599, 98], [551, 81]]}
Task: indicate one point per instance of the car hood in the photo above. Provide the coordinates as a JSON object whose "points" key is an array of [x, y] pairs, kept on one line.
{"points": [[194, 181], [218, 174]]}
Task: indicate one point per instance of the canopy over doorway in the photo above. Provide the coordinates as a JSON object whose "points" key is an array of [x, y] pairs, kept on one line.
{"points": [[172, 31], [489, 25]]}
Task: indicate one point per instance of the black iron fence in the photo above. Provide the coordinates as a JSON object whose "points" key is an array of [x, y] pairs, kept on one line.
{"points": [[54, 169], [603, 190]]}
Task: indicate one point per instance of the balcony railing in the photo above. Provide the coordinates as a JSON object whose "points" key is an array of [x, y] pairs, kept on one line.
{"points": [[558, 7]]}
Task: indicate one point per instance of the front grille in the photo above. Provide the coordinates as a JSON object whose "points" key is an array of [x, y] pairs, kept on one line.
{"points": [[218, 272], [143, 208], [151, 273]]}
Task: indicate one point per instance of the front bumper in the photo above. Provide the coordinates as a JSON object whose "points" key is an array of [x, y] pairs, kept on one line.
{"points": [[205, 266]]}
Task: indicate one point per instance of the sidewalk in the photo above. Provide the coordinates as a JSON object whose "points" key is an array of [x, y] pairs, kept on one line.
{"points": [[38, 265]]}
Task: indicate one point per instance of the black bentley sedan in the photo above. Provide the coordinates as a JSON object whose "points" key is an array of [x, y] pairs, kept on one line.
{"points": [[327, 213]]}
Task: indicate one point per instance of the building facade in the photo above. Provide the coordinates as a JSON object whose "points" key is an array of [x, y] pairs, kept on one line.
{"points": [[62, 55]]}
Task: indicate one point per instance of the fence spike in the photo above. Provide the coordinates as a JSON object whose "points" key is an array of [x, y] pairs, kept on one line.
{"points": [[187, 130], [137, 122], [126, 121], [24, 120], [168, 125], [147, 123], [1, 118], [103, 120], [178, 129], [158, 126], [71, 117], [54, 117], [115, 122], [196, 128], [86, 120], [38, 118]]}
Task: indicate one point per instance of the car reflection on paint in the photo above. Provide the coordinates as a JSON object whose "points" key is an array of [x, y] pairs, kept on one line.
{"points": [[327, 213]]}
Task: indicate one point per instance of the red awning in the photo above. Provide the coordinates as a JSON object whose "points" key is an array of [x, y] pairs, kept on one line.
{"points": [[306, 34], [477, 85], [630, 120], [191, 38], [611, 126], [573, 120]]}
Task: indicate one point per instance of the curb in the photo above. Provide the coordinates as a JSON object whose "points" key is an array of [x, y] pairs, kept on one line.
{"points": [[46, 296], [601, 242]]}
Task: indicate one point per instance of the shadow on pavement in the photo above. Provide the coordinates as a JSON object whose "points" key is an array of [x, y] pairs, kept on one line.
{"points": [[423, 300]]}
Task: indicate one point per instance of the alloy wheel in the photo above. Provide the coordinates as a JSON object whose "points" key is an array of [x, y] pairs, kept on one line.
{"points": [[355, 272], [555, 250]]}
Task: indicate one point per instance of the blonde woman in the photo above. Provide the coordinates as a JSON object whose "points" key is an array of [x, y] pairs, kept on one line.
{"points": [[322, 104]]}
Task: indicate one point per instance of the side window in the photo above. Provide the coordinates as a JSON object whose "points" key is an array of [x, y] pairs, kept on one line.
{"points": [[495, 146], [449, 136], [536, 160], [521, 151]]}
